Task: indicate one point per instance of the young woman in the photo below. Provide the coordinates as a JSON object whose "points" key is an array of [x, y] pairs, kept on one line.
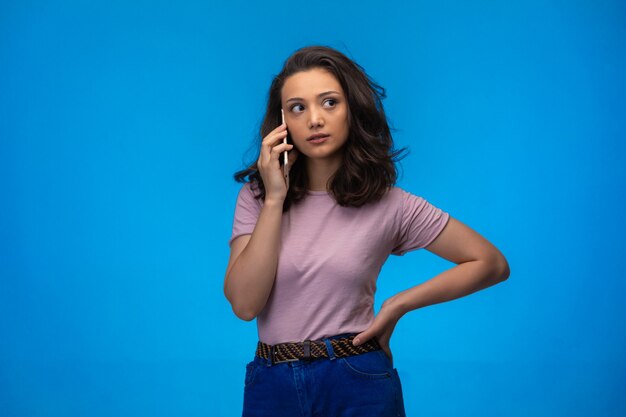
{"points": [[305, 255]]}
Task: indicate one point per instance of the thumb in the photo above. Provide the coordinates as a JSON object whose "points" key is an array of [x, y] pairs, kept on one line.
{"points": [[361, 338]]}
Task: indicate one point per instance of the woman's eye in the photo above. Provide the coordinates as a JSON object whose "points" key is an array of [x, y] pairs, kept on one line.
{"points": [[332, 102]]}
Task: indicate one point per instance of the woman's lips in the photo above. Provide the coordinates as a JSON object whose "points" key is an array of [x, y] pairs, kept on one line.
{"points": [[319, 140]]}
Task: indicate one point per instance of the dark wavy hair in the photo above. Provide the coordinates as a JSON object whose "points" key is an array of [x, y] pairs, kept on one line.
{"points": [[368, 169]]}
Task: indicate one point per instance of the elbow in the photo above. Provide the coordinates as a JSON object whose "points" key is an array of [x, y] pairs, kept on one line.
{"points": [[243, 314], [241, 310], [497, 268], [506, 272], [502, 266]]}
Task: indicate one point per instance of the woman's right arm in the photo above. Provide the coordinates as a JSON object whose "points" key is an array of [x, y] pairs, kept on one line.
{"points": [[253, 262], [254, 258]]}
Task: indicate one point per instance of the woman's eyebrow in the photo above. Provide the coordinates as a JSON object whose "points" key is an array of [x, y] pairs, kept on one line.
{"points": [[325, 93]]}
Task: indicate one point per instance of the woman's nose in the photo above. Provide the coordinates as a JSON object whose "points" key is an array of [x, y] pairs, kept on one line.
{"points": [[315, 118]]}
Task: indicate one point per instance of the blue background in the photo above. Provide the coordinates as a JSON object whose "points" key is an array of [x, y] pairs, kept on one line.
{"points": [[121, 124]]}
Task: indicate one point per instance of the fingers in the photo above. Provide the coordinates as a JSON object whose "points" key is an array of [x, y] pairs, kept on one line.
{"points": [[279, 149], [269, 159], [278, 133], [269, 142]]}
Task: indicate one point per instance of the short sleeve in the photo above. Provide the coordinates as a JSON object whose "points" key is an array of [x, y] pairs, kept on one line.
{"points": [[418, 223], [247, 212]]}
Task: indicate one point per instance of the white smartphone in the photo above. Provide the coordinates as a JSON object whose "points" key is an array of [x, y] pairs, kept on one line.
{"points": [[285, 156]]}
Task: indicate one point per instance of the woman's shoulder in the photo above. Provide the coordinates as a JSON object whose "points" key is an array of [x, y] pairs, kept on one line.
{"points": [[392, 198], [399, 197], [250, 187], [399, 192], [248, 192], [395, 193]]}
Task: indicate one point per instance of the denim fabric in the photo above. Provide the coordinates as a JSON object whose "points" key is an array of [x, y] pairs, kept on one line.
{"points": [[360, 385]]}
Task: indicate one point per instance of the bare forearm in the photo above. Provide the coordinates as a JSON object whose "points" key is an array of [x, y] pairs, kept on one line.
{"points": [[461, 280], [250, 280]]}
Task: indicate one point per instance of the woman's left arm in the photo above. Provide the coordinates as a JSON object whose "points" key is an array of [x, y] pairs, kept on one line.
{"points": [[479, 265]]}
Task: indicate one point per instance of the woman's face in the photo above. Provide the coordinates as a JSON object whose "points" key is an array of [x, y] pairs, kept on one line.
{"points": [[314, 103]]}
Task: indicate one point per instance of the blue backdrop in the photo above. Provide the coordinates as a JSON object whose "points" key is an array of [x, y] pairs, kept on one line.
{"points": [[121, 124]]}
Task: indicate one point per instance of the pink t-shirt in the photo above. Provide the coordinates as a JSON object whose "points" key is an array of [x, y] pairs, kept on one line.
{"points": [[330, 257]]}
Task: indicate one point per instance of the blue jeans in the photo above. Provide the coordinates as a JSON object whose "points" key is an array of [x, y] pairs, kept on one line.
{"points": [[360, 385]]}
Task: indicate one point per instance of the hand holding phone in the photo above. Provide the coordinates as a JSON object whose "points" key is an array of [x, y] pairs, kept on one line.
{"points": [[269, 163]]}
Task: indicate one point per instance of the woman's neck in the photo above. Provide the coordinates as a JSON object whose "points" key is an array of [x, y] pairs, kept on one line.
{"points": [[319, 172]]}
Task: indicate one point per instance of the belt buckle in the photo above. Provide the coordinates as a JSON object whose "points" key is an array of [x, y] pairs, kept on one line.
{"points": [[273, 357]]}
